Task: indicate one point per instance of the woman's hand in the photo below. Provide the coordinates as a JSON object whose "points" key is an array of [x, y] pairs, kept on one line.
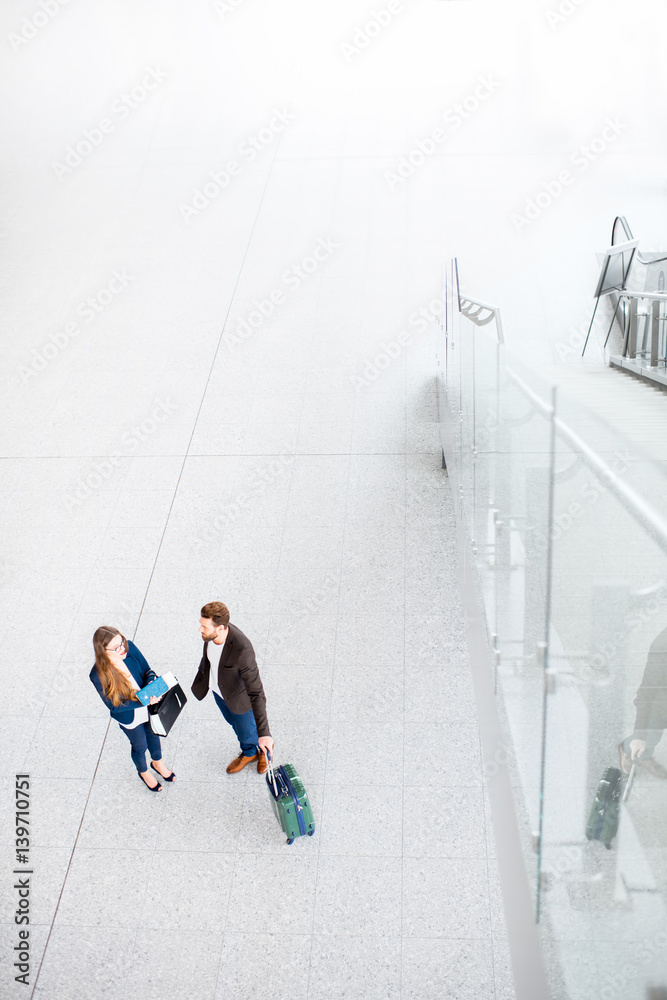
{"points": [[153, 700]]}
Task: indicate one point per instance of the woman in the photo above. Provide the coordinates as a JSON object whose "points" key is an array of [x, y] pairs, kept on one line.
{"points": [[119, 671]]}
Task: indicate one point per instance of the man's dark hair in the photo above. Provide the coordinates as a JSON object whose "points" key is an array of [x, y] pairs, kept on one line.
{"points": [[217, 612]]}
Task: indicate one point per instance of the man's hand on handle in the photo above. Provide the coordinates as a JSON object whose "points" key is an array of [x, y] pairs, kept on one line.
{"points": [[637, 748], [265, 743]]}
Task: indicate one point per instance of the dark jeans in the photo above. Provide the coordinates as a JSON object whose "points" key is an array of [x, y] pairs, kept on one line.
{"points": [[244, 726], [142, 739]]}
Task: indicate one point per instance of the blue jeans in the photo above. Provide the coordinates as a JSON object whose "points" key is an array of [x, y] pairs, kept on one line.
{"points": [[244, 726], [142, 739]]}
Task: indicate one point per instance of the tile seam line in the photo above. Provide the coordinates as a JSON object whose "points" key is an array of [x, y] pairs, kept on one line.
{"points": [[406, 393], [312, 935], [320, 854], [295, 454], [157, 556], [439, 156], [237, 854], [90, 789], [185, 455]]}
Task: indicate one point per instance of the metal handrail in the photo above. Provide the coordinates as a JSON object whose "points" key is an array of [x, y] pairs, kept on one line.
{"points": [[627, 233], [655, 524], [473, 309]]}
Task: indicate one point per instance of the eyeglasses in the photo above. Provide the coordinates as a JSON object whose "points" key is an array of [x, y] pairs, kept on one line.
{"points": [[116, 649]]}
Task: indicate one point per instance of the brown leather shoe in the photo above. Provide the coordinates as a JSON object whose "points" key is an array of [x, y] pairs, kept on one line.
{"points": [[262, 763], [653, 767], [239, 763]]}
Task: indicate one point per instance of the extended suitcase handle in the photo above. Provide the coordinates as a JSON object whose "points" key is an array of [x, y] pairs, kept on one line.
{"points": [[628, 784], [272, 775]]}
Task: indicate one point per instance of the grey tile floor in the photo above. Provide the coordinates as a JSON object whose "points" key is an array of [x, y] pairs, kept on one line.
{"points": [[195, 892], [237, 419], [149, 470]]}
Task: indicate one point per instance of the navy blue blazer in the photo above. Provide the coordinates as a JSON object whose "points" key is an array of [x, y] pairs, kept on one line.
{"points": [[136, 663]]}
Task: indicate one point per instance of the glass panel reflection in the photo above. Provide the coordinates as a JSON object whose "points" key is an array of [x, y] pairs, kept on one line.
{"points": [[565, 530]]}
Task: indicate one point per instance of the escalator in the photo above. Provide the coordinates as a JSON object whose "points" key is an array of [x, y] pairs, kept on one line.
{"points": [[642, 321]]}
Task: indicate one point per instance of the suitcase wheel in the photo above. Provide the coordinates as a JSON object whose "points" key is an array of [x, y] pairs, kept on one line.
{"points": [[608, 846], [310, 833], [589, 836], [290, 840]]}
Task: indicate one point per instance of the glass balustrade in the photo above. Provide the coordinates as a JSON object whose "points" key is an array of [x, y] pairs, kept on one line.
{"points": [[564, 527]]}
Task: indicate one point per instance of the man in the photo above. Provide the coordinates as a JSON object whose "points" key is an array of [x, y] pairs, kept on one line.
{"points": [[651, 718], [228, 667]]}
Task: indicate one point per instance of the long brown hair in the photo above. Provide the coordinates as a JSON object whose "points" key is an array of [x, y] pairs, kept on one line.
{"points": [[114, 685]]}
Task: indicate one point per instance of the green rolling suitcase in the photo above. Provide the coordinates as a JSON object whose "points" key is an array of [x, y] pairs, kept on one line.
{"points": [[605, 813], [290, 801]]}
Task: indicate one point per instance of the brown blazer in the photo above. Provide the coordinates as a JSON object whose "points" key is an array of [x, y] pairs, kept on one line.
{"points": [[238, 678]]}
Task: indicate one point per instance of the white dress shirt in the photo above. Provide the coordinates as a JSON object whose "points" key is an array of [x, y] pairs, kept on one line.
{"points": [[214, 652]]}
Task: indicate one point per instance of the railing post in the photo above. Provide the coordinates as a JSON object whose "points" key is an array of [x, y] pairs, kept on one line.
{"points": [[655, 331], [545, 643], [632, 343]]}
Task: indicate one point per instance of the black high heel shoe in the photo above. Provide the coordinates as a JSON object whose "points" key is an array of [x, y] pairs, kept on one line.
{"points": [[170, 778], [157, 788]]}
